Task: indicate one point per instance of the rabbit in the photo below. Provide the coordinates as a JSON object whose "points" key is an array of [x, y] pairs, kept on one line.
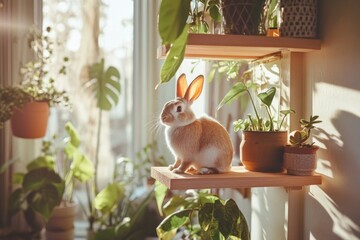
{"points": [[202, 145]]}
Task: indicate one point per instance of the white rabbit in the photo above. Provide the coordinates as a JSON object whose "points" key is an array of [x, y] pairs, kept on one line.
{"points": [[202, 144]]}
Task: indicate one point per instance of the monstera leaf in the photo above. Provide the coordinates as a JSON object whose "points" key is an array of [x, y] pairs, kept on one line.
{"points": [[105, 84]]}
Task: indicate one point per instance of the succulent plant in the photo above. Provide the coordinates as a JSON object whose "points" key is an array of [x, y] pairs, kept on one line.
{"points": [[299, 137]]}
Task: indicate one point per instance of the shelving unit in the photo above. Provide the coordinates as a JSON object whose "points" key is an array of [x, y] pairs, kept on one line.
{"points": [[207, 46], [239, 177], [210, 46]]}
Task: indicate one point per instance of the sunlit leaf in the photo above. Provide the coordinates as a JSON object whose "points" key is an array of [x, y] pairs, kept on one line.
{"points": [[233, 94], [267, 96], [108, 199], [172, 19], [107, 86], [173, 222], [174, 57], [160, 193]]}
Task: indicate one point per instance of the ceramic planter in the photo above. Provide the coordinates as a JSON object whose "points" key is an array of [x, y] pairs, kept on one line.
{"points": [[300, 161], [31, 120], [61, 222], [263, 151], [299, 18], [242, 16]]}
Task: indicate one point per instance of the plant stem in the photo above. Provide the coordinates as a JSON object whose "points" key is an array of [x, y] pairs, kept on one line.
{"points": [[271, 120], [253, 104], [97, 152]]}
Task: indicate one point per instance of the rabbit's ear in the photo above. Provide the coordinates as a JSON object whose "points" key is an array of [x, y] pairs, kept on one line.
{"points": [[195, 89], [181, 86]]}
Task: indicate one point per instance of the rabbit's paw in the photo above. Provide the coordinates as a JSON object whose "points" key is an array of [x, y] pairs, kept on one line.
{"points": [[204, 170]]}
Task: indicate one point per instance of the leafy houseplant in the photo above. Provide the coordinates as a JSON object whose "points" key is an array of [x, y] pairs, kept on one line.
{"points": [[36, 92], [199, 215], [40, 190], [72, 166], [300, 156], [174, 29], [259, 132]]}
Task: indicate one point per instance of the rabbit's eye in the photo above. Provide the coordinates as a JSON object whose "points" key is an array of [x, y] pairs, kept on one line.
{"points": [[178, 109]]}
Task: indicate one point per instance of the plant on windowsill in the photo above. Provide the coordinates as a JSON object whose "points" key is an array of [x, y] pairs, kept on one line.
{"points": [[199, 215], [299, 155], [37, 91], [40, 190], [71, 166], [259, 132]]}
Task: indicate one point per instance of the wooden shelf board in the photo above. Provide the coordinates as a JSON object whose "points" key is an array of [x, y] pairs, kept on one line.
{"points": [[239, 177], [211, 46]]}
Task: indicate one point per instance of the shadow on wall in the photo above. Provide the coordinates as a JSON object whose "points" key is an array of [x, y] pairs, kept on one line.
{"points": [[335, 205]]}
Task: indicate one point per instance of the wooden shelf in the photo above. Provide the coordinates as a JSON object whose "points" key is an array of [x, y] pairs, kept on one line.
{"points": [[239, 177], [210, 46]]}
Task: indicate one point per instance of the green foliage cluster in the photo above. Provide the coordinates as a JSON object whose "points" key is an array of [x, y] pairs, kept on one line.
{"points": [[174, 29], [298, 138], [36, 83], [200, 215], [256, 123]]}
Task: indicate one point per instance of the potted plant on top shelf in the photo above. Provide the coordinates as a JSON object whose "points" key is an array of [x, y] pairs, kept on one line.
{"points": [[261, 147], [27, 105], [300, 156]]}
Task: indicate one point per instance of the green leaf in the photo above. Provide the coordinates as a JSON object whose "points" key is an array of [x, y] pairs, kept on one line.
{"points": [[172, 19], [82, 168], [73, 134], [160, 193], [108, 199], [5, 166], [267, 96], [105, 234], [175, 203], [215, 14], [174, 57], [43, 161], [39, 178], [206, 216], [173, 222], [45, 200], [16, 201], [106, 86], [234, 93]]}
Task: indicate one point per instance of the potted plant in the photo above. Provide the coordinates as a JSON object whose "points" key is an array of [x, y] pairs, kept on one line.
{"points": [[261, 147], [199, 215], [299, 155], [40, 190], [245, 17], [72, 166], [27, 105]]}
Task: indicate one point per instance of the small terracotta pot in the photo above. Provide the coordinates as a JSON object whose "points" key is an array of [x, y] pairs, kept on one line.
{"points": [[31, 120], [61, 222], [300, 161], [263, 151]]}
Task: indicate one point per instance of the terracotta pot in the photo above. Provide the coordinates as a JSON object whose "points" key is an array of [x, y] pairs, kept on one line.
{"points": [[300, 161], [263, 151], [31, 120], [61, 222]]}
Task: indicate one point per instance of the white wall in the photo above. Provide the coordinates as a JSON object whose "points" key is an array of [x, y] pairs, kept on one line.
{"points": [[333, 76]]}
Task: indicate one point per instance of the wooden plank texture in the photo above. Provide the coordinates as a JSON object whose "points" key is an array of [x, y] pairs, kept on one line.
{"points": [[239, 177], [210, 46]]}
